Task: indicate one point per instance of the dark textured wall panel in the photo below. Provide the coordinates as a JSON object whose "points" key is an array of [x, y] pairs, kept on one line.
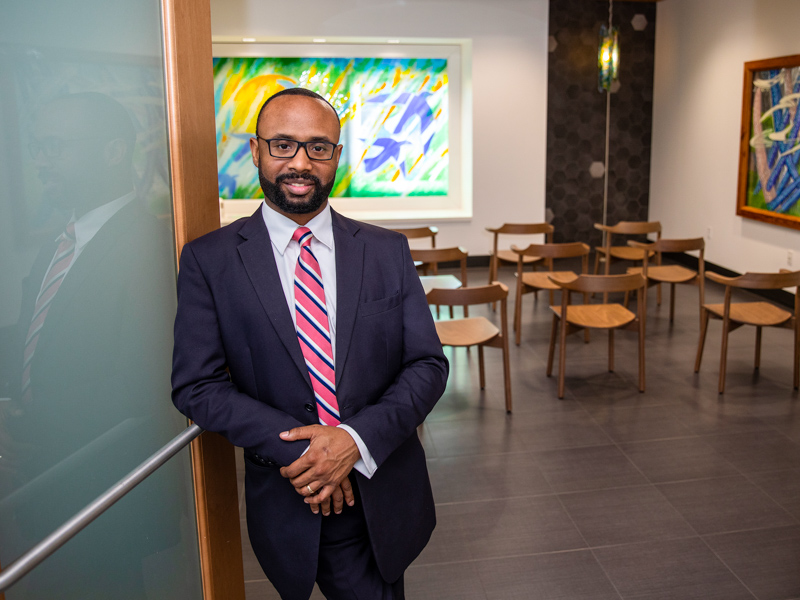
{"points": [[576, 120]]}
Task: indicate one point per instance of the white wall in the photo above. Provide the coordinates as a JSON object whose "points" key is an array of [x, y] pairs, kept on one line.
{"points": [[509, 75], [701, 48]]}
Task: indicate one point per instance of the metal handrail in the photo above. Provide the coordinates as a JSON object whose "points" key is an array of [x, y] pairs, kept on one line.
{"points": [[36, 555]]}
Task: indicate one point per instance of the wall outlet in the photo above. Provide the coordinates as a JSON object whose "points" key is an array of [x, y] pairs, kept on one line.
{"points": [[708, 233], [789, 258]]}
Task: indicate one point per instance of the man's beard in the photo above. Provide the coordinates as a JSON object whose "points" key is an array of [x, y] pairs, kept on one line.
{"points": [[274, 193]]}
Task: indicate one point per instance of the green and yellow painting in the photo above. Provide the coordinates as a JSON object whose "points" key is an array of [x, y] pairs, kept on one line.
{"points": [[393, 111]]}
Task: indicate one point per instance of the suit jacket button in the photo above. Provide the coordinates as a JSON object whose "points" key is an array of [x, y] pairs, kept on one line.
{"points": [[309, 407]]}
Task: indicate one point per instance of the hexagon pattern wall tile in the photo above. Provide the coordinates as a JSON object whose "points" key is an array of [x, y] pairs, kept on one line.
{"points": [[577, 117]]}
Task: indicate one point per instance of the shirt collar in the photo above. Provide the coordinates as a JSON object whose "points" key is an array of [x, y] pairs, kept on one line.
{"points": [[89, 224], [281, 228]]}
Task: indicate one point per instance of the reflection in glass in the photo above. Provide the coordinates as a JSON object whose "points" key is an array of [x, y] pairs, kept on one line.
{"points": [[88, 273]]}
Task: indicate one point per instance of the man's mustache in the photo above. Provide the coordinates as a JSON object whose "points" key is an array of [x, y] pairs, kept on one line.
{"points": [[294, 177]]}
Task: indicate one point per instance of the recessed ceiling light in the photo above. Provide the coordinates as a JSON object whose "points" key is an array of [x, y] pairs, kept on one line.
{"points": [[392, 41], [319, 40], [248, 39]]}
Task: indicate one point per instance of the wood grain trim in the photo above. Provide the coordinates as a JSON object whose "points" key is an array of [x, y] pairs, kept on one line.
{"points": [[193, 164]]}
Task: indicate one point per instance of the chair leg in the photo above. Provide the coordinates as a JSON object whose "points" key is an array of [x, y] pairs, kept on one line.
{"points": [[452, 316], [507, 373], [610, 350], [723, 359], [658, 294], [586, 330], [641, 356], [552, 349], [758, 347], [562, 356], [671, 302], [796, 357], [702, 342], [518, 314], [481, 372]]}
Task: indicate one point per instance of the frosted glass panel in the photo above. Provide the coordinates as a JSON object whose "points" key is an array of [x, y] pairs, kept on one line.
{"points": [[87, 299]]}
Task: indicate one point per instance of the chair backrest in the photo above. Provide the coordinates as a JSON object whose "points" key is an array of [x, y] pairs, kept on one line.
{"points": [[631, 227], [676, 245], [759, 281], [440, 255], [679, 245], [420, 232], [561, 250], [603, 283], [521, 229], [467, 296]]}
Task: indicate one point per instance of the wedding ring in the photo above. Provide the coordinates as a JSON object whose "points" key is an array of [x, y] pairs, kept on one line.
{"points": [[310, 491]]}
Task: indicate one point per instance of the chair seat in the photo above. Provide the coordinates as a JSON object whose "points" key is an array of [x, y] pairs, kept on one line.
{"points": [[624, 252], [511, 256], [760, 314], [541, 279], [597, 316], [667, 273], [466, 332]]}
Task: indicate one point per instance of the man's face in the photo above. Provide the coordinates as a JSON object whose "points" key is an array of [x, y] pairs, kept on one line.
{"points": [[66, 155], [296, 187]]}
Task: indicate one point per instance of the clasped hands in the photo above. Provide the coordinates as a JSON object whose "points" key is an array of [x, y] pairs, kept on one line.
{"points": [[320, 475]]}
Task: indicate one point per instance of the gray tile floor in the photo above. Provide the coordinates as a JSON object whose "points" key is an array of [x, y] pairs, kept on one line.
{"points": [[675, 493]]}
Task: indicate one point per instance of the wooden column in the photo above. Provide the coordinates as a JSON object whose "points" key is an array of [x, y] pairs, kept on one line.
{"points": [[193, 158]]}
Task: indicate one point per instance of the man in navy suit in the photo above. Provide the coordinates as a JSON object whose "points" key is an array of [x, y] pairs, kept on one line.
{"points": [[350, 505]]}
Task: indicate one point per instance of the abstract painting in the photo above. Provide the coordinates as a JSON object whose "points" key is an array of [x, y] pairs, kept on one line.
{"points": [[769, 182], [394, 114]]}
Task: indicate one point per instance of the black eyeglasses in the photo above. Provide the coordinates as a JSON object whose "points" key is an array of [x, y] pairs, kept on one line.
{"points": [[280, 148]]}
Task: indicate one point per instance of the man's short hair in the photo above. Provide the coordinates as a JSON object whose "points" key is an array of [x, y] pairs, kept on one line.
{"points": [[296, 91]]}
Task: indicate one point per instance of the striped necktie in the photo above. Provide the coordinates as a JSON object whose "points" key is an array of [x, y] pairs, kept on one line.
{"points": [[313, 330], [52, 281]]}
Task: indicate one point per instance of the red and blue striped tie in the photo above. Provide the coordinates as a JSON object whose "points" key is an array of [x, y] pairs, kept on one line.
{"points": [[313, 329], [52, 281]]}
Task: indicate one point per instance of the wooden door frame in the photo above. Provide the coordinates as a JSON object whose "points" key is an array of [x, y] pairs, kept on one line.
{"points": [[195, 197]]}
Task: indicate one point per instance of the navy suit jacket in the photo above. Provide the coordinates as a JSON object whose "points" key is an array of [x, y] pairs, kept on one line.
{"points": [[238, 370]]}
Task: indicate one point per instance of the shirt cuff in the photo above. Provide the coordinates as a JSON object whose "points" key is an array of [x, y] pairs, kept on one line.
{"points": [[366, 464]]}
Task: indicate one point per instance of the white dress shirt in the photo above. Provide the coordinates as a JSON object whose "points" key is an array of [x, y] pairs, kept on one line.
{"points": [[286, 252], [89, 224]]}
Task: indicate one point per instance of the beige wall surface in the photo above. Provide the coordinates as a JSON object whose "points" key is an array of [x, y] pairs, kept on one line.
{"points": [[701, 48], [509, 78]]}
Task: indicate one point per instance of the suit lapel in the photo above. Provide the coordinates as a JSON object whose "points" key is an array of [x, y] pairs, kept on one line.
{"points": [[258, 259], [349, 271]]}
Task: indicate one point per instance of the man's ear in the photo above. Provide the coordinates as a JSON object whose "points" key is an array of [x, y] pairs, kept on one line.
{"points": [[254, 150], [115, 152]]}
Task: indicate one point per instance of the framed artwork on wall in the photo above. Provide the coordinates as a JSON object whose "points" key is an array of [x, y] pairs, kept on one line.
{"points": [[769, 182], [404, 107]]}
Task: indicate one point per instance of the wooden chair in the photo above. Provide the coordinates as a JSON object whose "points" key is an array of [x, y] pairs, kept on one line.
{"points": [[434, 256], [608, 252], [759, 314], [532, 281], [476, 331], [499, 257], [568, 318], [673, 274], [413, 233], [627, 252]]}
